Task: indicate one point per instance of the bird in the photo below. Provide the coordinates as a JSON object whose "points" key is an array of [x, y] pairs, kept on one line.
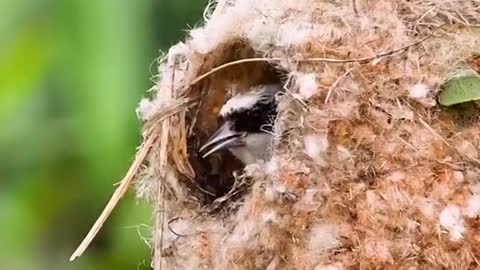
{"points": [[247, 125]]}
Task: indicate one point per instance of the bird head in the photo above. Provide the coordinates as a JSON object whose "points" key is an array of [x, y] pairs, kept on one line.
{"points": [[247, 124]]}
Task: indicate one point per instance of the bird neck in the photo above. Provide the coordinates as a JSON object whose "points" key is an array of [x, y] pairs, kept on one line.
{"points": [[257, 147], [244, 155]]}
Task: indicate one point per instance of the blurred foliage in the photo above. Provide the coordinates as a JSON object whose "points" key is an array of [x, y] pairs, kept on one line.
{"points": [[71, 76]]}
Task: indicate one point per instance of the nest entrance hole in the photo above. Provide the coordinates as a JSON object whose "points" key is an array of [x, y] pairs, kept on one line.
{"points": [[215, 175]]}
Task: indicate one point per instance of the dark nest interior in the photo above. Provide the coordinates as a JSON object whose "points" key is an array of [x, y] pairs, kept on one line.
{"points": [[215, 175]]}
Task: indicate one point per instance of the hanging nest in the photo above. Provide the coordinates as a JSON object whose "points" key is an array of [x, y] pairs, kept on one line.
{"points": [[368, 171]]}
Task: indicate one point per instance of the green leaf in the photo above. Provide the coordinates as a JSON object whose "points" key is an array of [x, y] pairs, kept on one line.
{"points": [[463, 86]]}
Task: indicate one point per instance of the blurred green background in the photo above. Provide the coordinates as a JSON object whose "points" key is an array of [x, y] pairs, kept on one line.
{"points": [[71, 75]]}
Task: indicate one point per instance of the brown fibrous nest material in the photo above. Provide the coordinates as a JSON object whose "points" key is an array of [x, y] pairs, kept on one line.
{"points": [[368, 171]]}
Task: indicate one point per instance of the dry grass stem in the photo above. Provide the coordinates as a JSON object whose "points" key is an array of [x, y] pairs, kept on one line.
{"points": [[117, 195]]}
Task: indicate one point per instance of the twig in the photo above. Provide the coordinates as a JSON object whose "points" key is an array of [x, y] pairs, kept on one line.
{"points": [[451, 165], [354, 6], [407, 143], [236, 188], [171, 230], [117, 195], [426, 12], [233, 63], [335, 84], [474, 258], [326, 60], [162, 163], [429, 128], [160, 200], [160, 223], [367, 59]]}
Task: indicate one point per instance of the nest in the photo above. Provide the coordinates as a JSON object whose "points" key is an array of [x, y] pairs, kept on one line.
{"points": [[368, 171]]}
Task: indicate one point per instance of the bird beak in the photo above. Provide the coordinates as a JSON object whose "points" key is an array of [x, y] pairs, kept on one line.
{"points": [[224, 138]]}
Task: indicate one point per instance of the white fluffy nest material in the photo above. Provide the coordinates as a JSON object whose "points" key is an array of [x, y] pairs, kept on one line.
{"points": [[368, 171]]}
